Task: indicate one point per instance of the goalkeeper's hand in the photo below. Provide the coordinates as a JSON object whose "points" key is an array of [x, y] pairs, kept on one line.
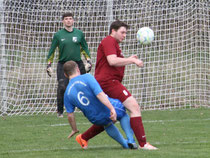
{"points": [[88, 66], [49, 69]]}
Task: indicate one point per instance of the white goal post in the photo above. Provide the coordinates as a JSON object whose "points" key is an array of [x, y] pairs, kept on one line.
{"points": [[176, 64]]}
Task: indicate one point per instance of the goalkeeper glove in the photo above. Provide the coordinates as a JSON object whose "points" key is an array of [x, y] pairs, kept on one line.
{"points": [[49, 69], [88, 66]]}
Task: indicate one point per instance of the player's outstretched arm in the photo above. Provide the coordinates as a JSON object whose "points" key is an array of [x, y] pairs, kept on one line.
{"points": [[73, 125], [113, 60]]}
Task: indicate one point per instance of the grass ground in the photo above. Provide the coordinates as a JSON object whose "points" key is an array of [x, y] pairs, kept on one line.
{"points": [[177, 134]]}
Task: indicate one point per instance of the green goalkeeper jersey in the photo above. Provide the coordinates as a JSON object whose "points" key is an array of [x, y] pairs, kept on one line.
{"points": [[70, 45]]}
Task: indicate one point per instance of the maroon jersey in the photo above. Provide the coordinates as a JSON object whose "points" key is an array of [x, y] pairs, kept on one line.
{"points": [[103, 71]]}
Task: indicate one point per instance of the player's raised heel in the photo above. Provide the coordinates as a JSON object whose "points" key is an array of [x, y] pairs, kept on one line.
{"points": [[83, 143], [148, 146]]}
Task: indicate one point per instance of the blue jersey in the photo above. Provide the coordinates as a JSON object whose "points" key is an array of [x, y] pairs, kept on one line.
{"points": [[81, 92]]}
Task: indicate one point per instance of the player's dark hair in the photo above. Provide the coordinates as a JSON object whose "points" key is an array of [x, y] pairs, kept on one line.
{"points": [[69, 68], [116, 25], [67, 15]]}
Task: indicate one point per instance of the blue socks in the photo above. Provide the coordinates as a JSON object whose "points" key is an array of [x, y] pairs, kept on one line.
{"points": [[113, 132], [125, 124]]}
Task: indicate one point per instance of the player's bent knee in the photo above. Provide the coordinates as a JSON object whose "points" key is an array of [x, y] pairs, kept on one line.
{"points": [[132, 105], [135, 110]]}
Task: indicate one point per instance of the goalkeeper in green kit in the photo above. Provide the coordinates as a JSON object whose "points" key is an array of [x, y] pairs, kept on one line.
{"points": [[71, 44]]}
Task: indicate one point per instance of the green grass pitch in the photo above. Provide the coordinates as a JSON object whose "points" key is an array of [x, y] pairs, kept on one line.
{"points": [[177, 134]]}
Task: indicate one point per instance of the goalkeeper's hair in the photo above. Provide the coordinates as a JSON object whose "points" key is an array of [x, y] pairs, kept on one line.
{"points": [[68, 14], [116, 25], [69, 68]]}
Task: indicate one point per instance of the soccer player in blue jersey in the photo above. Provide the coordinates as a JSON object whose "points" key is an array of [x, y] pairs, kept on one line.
{"points": [[84, 92]]}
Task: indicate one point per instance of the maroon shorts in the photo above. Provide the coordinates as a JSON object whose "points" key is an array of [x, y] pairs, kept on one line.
{"points": [[115, 89]]}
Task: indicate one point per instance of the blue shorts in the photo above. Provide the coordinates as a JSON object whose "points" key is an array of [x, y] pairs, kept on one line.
{"points": [[119, 107], [120, 111]]}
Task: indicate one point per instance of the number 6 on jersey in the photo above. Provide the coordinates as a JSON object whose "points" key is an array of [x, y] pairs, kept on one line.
{"points": [[83, 99]]}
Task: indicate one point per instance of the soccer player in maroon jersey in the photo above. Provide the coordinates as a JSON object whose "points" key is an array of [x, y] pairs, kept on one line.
{"points": [[109, 72]]}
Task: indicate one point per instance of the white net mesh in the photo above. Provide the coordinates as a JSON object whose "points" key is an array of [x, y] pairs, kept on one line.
{"points": [[176, 65]]}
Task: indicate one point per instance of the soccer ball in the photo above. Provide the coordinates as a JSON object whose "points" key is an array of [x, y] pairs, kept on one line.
{"points": [[145, 35]]}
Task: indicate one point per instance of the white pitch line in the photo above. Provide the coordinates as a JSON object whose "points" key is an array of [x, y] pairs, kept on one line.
{"points": [[66, 124], [186, 120], [96, 147], [148, 121], [62, 148]]}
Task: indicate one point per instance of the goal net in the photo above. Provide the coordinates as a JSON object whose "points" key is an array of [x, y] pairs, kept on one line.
{"points": [[176, 64]]}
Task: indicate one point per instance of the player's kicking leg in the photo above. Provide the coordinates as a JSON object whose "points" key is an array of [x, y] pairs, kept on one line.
{"points": [[137, 124], [113, 132], [124, 119], [88, 134], [125, 124]]}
